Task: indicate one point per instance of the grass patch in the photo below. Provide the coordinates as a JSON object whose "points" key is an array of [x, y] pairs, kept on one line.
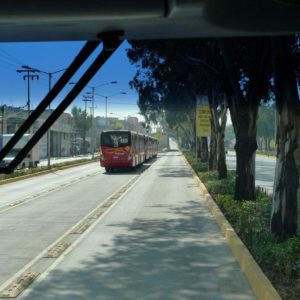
{"points": [[251, 220], [267, 153]]}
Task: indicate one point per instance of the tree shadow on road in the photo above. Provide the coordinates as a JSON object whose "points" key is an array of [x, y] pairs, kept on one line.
{"points": [[179, 256]]}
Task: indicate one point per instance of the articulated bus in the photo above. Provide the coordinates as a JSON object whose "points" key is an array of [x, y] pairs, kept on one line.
{"points": [[124, 149]]}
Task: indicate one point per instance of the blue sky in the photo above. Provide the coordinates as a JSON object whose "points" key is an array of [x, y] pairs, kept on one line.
{"points": [[52, 56]]}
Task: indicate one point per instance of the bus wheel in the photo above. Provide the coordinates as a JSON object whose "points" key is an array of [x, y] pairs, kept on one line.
{"points": [[108, 170]]}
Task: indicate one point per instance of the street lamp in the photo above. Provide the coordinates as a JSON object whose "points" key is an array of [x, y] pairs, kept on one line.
{"points": [[106, 98]]}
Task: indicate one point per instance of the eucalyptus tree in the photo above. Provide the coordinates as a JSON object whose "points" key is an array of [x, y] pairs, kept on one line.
{"points": [[247, 63], [237, 68], [285, 218]]}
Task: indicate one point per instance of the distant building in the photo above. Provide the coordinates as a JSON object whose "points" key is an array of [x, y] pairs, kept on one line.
{"points": [[61, 133]]}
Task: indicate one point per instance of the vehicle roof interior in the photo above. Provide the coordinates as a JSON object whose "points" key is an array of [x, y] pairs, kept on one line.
{"points": [[55, 20]]}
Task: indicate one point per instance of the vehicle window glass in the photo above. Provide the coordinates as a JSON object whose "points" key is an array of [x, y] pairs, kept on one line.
{"points": [[115, 139]]}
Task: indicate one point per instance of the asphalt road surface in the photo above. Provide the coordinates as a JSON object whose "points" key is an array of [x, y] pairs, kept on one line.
{"points": [[152, 236], [36, 212]]}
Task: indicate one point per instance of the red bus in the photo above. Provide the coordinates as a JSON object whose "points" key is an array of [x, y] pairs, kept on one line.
{"points": [[123, 149]]}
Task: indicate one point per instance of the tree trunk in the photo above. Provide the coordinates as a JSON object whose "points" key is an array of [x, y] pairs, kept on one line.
{"points": [[222, 168], [218, 124], [244, 111], [83, 143], [285, 216], [269, 144], [266, 144], [259, 143], [213, 162], [203, 149], [245, 130]]}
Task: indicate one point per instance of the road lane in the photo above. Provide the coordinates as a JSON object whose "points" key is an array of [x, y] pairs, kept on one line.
{"points": [[28, 229], [16, 191], [158, 242], [264, 170]]}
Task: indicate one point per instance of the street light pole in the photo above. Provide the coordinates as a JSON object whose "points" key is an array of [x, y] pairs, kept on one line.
{"points": [[106, 98], [50, 74], [106, 101], [93, 139]]}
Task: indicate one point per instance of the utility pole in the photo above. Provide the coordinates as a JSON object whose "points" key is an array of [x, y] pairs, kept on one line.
{"points": [[85, 100], [93, 138], [28, 76], [50, 75]]}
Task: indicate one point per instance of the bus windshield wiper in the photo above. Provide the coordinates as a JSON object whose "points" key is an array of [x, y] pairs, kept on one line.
{"points": [[111, 41]]}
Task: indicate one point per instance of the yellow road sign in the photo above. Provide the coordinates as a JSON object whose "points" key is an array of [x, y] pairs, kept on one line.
{"points": [[203, 125]]}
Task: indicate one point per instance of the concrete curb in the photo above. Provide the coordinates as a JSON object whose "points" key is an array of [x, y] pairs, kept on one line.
{"points": [[14, 179], [258, 281]]}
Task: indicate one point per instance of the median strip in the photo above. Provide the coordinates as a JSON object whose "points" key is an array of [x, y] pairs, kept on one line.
{"points": [[57, 250], [17, 287], [80, 229]]}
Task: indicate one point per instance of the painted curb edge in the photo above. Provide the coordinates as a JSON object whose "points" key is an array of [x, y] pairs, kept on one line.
{"points": [[258, 281]]}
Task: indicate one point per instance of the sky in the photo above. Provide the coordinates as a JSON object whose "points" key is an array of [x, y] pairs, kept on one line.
{"points": [[53, 56]]}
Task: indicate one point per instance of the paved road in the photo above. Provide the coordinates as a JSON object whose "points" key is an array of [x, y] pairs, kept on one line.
{"points": [[36, 212], [157, 241], [264, 170]]}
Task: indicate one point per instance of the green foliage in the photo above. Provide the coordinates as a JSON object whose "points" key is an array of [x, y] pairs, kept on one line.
{"points": [[215, 186], [283, 257], [82, 121], [197, 165], [118, 126], [266, 122]]}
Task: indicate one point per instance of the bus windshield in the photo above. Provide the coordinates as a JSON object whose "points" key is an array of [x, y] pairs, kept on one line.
{"points": [[115, 138]]}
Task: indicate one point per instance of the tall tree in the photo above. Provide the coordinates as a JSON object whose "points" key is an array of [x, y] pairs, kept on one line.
{"points": [[164, 85], [83, 122], [247, 65], [218, 108], [285, 218]]}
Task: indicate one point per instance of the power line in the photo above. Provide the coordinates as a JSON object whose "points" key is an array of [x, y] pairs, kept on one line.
{"points": [[17, 61], [117, 103], [8, 62], [6, 67]]}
